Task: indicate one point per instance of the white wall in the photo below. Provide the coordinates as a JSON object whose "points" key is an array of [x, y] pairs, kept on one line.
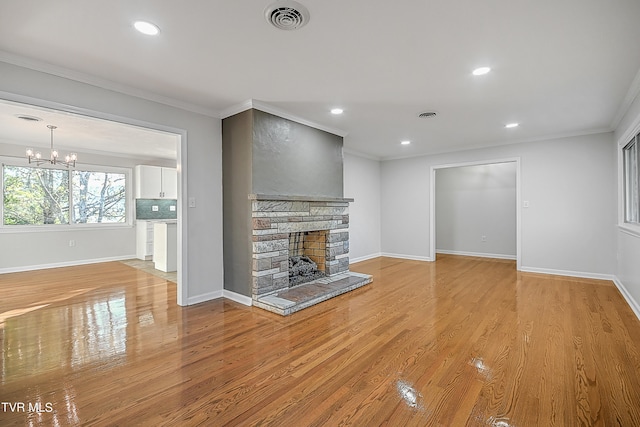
{"points": [[568, 182], [200, 163], [362, 183], [628, 249], [404, 213], [473, 202], [629, 269]]}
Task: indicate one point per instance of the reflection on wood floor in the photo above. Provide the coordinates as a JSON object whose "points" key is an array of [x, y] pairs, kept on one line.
{"points": [[462, 341], [149, 267]]}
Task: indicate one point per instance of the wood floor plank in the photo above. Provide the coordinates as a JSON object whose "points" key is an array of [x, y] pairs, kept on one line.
{"points": [[460, 341]]}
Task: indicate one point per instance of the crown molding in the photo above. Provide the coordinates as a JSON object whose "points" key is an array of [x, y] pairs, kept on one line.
{"points": [[360, 154], [81, 77], [268, 108], [236, 108], [502, 144], [632, 94]]}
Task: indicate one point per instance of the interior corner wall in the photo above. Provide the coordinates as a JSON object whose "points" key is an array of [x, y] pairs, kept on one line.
{"points": [[293, 159], [362, 183], [628, 245], [568, 227], [476, 210], [237, 141], [201, 166]]}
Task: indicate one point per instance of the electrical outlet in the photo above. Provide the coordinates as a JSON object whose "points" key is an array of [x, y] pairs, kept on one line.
{"points": [[72, 243], [172, 208], [483, 238], [154, 208]]}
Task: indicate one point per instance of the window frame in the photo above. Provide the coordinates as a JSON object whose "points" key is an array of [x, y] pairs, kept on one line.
{"points": [[632, 228], [631, 154], [129, 198]]}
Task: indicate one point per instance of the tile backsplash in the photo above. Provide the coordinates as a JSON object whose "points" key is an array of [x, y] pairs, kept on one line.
{"points": [[156, 209]]}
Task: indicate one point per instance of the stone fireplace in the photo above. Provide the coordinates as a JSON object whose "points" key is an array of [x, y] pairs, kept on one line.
{"points": [[286, 245], [286, 228]]}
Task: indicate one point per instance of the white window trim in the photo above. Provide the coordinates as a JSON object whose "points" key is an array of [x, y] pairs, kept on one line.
{"points": [[130, 201], [628, 228]]}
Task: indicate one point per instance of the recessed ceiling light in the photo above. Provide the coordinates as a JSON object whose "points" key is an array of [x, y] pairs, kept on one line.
{"points": [[146, 28], [406, 142], [337, 111], [512, 125], [480, 71]]}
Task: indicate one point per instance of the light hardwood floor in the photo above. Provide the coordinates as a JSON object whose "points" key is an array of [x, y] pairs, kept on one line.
{"points": [[462, 341]]}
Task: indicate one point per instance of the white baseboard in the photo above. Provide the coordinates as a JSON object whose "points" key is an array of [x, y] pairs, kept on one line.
{"points": [[580, 274], [233, 296], [627, 296], [63, 264], [411, 257], [239, 298], [476, 254], [364, 258], [204, 297]]}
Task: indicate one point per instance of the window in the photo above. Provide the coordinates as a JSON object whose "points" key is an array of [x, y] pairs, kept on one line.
{"points": [[631, 161], [34, 196], [44, 196], [99, 197]]}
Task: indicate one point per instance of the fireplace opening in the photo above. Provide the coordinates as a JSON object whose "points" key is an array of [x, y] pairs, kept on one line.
{"points": [[307, 256]]}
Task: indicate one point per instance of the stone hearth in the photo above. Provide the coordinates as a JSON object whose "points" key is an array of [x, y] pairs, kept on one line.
{"points": [[274, 218]]}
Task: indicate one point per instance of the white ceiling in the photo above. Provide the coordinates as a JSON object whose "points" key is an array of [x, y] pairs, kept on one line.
{"points": [[77, 133], [558, 67]]}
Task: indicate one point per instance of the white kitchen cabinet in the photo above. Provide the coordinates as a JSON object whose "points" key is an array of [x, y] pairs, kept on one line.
{"points": [[144, 239], [169, 183], [154, 182]]}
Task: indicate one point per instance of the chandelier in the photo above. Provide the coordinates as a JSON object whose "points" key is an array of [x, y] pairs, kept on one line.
{"points": [[54, 156]]}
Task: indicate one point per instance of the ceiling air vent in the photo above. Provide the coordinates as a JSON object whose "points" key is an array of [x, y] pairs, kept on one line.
{"points": [[29, 118], [287, 15], [427, 114]]}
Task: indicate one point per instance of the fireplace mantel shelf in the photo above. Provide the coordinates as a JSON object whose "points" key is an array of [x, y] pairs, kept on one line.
{"points": [[298, 198]]}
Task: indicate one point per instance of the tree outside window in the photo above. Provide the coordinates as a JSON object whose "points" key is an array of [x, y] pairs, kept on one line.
{"points": [[43, 196], [35, 196], [98, 197]]}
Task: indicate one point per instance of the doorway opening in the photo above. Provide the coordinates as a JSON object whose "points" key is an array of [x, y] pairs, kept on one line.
{"points": [[102, 142], [475, 209]]}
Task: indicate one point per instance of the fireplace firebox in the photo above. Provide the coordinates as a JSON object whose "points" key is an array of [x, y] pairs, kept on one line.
{"points": [[298, 240]]}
